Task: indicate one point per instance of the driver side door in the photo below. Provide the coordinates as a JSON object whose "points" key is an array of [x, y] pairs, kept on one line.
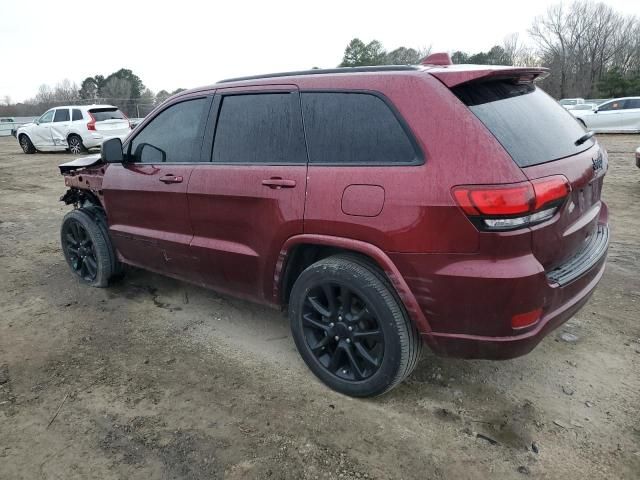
{"points": [[146, 196]]}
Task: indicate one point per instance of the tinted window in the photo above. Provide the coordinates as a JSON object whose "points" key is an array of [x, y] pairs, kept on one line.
{"points": [[62, 115], [353, 128], [77, 114], [529, 124], [175, 135], [615, 105], [102, 114], [47, 117], [260, 128], [632, 103]]}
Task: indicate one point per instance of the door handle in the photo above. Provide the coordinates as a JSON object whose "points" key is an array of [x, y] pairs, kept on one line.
{"points": [[277, 182], [171, 178]]}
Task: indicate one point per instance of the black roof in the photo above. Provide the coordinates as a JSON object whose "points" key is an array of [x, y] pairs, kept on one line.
{"points": [[321, 71]]}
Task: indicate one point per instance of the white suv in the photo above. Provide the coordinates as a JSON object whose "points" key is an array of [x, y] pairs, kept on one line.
{"points": [[75, 128]]}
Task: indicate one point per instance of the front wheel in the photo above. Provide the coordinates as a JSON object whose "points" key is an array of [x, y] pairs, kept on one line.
{"points": [[349, 327], [27, 146], [87, 247]]}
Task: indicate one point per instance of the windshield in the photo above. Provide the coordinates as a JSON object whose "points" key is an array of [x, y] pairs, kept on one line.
{"points": [[529, 124]]}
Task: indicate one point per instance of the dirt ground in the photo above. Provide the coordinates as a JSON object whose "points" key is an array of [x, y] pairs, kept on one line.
{"points": [[157, 379]]}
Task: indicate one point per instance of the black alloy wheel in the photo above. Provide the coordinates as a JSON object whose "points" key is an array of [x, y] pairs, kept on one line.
{"points": [[341, 331], [351, 328], [80, 250]]}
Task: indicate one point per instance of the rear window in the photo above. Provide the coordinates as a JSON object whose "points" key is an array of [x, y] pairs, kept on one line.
{"points": [[529, 124], [102, 114]]}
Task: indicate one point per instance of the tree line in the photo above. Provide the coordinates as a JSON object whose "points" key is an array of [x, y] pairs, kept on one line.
{"points": [[591, 50], [122, 88]]}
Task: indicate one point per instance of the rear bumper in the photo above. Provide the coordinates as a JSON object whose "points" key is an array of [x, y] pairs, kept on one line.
{"points": [[469, 302], [95, 139], [501, 348]]}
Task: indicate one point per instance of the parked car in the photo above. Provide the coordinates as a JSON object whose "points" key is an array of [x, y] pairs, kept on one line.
{"points": [[620, 115], [6, 125], [571, 103], [76, 128], [474, 226]]}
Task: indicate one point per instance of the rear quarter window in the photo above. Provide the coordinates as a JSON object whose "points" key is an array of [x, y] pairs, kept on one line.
{"points": [[354, 128], [531, 126]]}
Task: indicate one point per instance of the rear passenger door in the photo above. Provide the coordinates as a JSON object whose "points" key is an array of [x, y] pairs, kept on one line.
{"points": [[60, 127], [146, 196], [249, 198]]}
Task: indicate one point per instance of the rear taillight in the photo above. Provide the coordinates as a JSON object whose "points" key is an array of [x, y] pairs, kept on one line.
{"points": [[511, 206], [92, 123]]}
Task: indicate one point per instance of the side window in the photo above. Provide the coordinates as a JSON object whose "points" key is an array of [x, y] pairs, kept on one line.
{"points": [[353, 128], [174, 136], [47, 117], [632, 103], [615, 105], [62, 115], [259, 128], [77, 115]]}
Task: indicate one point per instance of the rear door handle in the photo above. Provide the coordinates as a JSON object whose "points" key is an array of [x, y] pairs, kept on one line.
{"points": [[277, 182], [171, 178]]}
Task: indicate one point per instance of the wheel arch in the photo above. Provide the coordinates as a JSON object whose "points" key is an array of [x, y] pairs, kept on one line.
{"points": [[300, 251]]}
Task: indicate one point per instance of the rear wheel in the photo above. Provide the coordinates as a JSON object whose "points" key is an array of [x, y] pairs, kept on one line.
{"points": [[27, 146], [87, 247], [75, 144], [349, 327]]}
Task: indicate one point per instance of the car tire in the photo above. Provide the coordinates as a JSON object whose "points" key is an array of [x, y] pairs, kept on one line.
{"points": [[87, 246], [27, 146], [76, 146], [350, 327]]}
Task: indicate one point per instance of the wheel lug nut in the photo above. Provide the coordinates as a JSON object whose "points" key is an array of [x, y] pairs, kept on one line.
{"points": [[336, 338], [331, 324], [340, 318], [344, 372], [348, 340], [350, 328]]}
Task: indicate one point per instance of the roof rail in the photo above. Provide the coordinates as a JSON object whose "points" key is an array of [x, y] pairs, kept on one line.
{"points": [[439, 58], [324, 71]]}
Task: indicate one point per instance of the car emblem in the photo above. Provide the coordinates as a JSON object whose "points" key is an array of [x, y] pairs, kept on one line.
{"points": [[597, 162]]}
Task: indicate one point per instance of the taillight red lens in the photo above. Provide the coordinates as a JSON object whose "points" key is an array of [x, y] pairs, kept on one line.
{"points": [[496, 200], [550, 190], [515, 205], [523, 320], [92, 124]]}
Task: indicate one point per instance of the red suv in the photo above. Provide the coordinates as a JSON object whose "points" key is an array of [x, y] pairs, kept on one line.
{"points": [[385, 207]]}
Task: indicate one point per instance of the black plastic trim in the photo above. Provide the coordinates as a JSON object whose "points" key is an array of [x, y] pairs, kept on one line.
{"points": [[594, 248], [326, 71]]}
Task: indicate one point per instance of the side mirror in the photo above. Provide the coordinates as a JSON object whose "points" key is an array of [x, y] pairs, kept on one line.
{"points": [[112, 151], [595, 109]]}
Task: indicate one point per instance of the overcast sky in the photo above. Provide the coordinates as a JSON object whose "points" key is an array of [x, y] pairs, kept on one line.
{"points": [[171, 44]]}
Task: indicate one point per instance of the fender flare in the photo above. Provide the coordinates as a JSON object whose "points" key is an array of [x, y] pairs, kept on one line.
{"points": [[376, 254]]}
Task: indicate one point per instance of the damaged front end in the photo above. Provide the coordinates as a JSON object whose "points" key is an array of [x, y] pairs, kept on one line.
{"points": [[84, 179]]}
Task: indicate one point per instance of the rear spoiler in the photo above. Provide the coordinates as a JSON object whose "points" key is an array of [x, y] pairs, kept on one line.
{"points": [[458, 74]]}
